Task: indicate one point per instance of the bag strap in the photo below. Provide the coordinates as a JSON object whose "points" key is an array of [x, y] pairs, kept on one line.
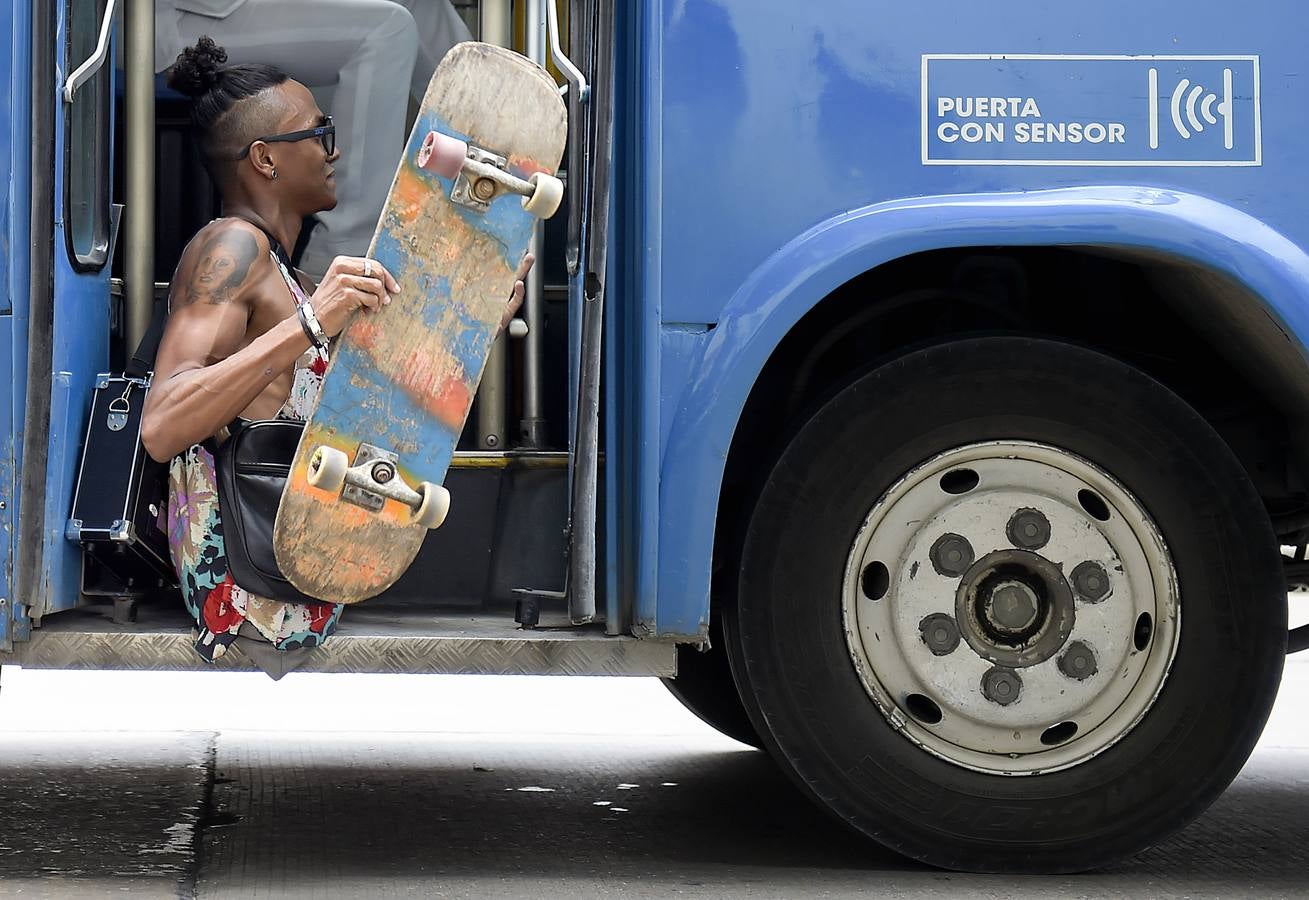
{"points": [[274, 244], [142, 361]]}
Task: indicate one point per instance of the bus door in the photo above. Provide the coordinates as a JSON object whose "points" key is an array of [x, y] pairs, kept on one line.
{"points": [[67, 337], [14, 157]]}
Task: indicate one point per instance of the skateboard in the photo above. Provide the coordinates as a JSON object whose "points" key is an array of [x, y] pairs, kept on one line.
{"points": [[477, 172]]}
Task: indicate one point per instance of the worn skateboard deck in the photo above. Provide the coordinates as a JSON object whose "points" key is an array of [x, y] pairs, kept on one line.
{"points": [[402, 379]]}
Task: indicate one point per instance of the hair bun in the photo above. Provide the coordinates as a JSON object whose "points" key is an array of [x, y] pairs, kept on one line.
{"points": [[198, 68]]}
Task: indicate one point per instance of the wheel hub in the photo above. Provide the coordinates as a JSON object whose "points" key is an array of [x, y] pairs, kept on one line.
{"points": [[1015, 607], [1042, 660]]}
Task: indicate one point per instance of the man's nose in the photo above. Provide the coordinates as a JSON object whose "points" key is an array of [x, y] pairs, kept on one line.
{"points": [[335, 154]]}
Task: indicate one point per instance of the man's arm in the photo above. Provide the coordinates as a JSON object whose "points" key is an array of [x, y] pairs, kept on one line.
{"points": [[204, 377]]}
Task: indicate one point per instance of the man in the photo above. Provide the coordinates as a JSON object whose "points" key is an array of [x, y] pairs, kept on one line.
{"points": [[364, 53], [244, 334]]}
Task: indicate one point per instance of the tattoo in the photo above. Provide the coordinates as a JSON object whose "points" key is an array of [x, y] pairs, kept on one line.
{"points": [[225, 262]]}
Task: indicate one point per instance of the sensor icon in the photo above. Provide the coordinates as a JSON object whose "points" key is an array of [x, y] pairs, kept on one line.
{"points": [[1191, 105]]}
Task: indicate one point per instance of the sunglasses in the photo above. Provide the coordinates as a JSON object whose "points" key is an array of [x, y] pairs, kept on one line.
{"points": [[326, 134]]}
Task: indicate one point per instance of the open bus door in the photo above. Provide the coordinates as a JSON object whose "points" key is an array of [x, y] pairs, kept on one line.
{"points": [[14, 144], [67, 300], [498, 568]]}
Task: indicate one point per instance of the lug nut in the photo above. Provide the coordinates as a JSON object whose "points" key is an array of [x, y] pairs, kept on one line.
{"points": [[951, 555], [940, 634], [383, 472], [1012, 607], [1078, 661], [1028, 529], [1002, 686], [1091, 581]]}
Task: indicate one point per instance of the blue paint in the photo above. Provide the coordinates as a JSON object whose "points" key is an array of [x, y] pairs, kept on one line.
{"points": [[800, 274], [15, 143], [7, 486], [9, 147], [439, 285], [81, 325], [81, 350], [15, 149], [751, 203]]}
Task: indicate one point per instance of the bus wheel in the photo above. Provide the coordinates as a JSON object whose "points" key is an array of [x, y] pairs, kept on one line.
{"points": [[1008, 605], [704, 685]]}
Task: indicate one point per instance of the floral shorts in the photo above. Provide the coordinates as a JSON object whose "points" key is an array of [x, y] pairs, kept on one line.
{"points": [[218, 605]]}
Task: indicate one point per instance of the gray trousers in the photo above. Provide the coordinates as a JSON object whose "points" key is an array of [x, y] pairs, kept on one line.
{"points": [[359, 56]]}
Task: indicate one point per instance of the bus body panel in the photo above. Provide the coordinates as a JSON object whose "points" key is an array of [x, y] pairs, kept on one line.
{"points": [[717, 380], [790, 147], [15, 222]]}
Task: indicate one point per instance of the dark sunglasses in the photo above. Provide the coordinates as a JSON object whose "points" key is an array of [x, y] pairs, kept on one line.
{"points": [[326, 133]]}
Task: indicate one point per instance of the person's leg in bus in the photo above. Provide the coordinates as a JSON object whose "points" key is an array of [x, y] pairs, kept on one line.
{"points": [[440, 27], [366, 48]]}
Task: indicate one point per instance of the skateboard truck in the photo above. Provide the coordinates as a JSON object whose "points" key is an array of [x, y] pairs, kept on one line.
{"points": [[375, 478], [480, 176]]}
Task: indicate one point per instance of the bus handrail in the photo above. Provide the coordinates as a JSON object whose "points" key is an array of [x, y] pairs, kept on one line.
{"points": [[561, 59], [86, 71]]}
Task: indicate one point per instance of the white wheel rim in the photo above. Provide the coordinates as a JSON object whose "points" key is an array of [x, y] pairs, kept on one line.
{"points": [[1026, 621]]}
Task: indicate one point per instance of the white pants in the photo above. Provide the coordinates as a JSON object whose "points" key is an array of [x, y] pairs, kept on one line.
{"points": [[364, 53]]}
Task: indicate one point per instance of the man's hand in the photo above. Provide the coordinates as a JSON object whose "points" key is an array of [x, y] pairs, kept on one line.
{"points": [[351, 283], [345, 289], [519, 291]]}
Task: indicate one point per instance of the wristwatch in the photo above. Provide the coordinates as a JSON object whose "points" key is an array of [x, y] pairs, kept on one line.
{"points": [[309, 322]]}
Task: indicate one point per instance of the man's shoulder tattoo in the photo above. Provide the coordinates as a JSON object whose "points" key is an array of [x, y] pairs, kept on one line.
{"points": [[222, 266]]}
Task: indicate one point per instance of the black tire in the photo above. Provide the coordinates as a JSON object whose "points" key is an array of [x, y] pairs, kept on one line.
{"points": [[787, 646], [704, 685]]}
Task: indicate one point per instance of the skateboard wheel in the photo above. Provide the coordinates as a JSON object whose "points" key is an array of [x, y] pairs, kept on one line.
{"points": [[545, 200], [327, 469], [442, 154], [434, 507]]}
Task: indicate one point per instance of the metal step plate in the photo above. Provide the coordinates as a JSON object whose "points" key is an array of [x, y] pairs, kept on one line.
{"points": [[408, 643]]}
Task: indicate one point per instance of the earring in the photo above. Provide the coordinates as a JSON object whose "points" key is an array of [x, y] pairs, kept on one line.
{"points": [[274, 175]]}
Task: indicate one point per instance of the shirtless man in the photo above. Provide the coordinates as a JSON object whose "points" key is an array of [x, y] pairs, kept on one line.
{"points": [[239, 339]]}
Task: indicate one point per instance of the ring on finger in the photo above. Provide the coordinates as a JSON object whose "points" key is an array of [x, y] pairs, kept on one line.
{"points": [[368, 268]]}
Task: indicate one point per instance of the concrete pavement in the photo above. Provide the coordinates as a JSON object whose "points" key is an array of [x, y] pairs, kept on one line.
{"points": [[211, 785]]}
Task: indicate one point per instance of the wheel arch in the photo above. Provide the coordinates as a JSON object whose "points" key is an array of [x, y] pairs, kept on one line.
{"points": [[1232, 286]]}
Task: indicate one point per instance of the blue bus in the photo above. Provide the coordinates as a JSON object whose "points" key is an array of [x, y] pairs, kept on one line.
{"points": [[922, 393]]}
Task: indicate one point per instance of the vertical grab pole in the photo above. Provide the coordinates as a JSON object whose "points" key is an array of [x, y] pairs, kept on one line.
{"points": [[582, 572], [531, 429], [495, 23], [495, 27], [139, 252]]}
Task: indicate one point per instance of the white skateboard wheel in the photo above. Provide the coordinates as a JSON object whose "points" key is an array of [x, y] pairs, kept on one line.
{"points": [[545, 200], [327, 469], [434, 507], [442, 154]]}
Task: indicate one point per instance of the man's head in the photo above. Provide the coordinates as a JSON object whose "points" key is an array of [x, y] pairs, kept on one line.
{"points": [[260, 132]]}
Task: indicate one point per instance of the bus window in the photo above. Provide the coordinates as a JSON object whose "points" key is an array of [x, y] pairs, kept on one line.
{"points": [[87, 155]]}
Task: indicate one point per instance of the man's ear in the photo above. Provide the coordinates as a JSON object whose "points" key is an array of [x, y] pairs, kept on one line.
{"points": [[262, 160]]}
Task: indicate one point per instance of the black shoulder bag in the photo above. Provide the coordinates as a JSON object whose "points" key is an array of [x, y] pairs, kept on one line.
{"points": [[253, 465]]}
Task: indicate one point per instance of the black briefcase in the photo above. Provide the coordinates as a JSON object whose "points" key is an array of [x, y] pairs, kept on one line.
{"points": [[120, 505]]}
